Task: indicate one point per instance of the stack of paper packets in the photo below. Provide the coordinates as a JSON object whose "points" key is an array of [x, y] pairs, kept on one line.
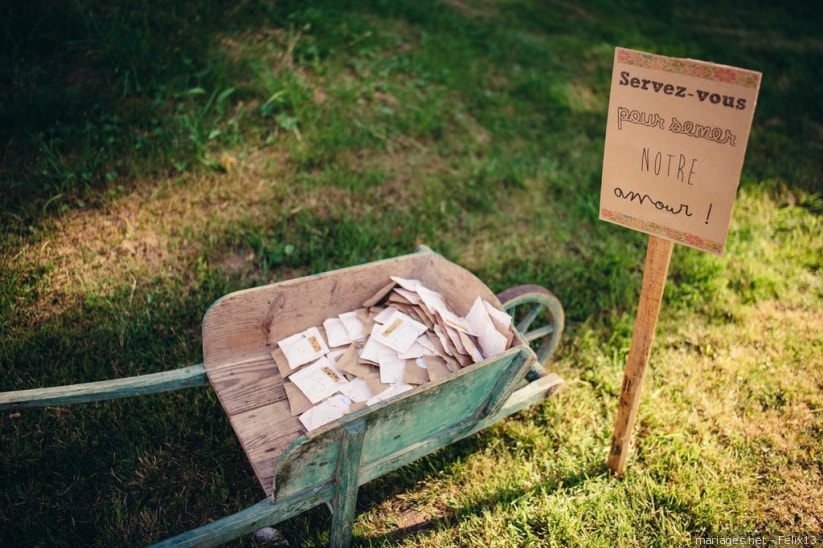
{"points": [[404, 336]]}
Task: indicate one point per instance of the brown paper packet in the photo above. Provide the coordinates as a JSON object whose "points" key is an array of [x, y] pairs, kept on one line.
{"points": [[436, 367], [471, 347], [351, 364], [356, 406], [298, 402], [377, 297], [374, 383], [414, 374], [282, 363]]}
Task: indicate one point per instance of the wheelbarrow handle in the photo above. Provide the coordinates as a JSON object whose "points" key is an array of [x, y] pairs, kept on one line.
{"points": [[152, 383]]}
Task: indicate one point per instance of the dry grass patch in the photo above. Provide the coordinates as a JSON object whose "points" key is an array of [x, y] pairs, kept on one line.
{"points": [[748, 396], [155, 231], [524, 222]]}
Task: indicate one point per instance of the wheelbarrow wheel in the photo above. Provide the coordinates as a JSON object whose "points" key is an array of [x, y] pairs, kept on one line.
{"points": [[538, 316]]}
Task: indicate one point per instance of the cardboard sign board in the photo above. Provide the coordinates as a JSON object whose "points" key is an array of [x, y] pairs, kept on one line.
{"points": [[676, 137]]}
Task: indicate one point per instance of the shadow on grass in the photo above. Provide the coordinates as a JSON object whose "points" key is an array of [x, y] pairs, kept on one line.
{"points": [[119, 470], [128, 471], [96, 95]]}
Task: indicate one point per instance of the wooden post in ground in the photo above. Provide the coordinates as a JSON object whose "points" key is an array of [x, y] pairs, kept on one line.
{"points": [[642, 130], [658, 256]]}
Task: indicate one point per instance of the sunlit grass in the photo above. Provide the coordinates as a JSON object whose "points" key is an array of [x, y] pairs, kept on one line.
{"points": [[156, 158]]}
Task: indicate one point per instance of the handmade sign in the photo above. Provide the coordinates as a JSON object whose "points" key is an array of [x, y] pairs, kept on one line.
{"points": [[676, 137]]}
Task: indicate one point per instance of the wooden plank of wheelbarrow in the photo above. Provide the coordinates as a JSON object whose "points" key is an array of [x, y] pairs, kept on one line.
{"points": [[254, 399], [270, 512], [427, 419], [239, 332]]}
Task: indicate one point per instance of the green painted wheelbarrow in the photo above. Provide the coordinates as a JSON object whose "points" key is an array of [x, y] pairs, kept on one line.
{"points": [[298, 471]]}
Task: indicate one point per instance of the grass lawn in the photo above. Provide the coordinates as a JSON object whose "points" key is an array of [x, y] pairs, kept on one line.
{"points": [[155, 156]]}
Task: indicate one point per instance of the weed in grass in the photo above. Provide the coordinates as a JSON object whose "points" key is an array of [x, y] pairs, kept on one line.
{"points": [[216, 121]]}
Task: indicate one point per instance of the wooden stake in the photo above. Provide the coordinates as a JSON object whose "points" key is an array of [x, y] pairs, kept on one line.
{"points": [[658, 256]]}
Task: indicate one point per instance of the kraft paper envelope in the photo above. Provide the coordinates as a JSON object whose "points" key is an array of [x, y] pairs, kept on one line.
{"points": [[375, 385], [443, 340], [410, 296], [454, 338], [413, 373], [377, 297], [396, 298], [417, 311], [436, 367], [298, 402], [281, 362], [349, 362], [471, 347], [437, 344], [356, 406], [367, 317]]}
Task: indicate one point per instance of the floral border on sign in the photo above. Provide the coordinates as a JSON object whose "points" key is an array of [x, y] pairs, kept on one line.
{"points": [[687, 67], [692, 240]]}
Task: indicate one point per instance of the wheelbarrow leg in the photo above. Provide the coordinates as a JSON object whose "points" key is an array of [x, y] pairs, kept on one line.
{"points": [[348, 471]]}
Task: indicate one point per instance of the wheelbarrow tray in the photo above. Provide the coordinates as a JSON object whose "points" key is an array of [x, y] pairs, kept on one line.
{"points": [[238, 331], [298, 470]]}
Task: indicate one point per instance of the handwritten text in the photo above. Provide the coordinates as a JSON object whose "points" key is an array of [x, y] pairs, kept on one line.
{"points": [[687, 127], [632, 196], [651, 119], [668, 165], [716, 134]]}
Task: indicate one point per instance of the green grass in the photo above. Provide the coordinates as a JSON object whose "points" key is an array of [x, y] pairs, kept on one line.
{"points": [[157, 157]]}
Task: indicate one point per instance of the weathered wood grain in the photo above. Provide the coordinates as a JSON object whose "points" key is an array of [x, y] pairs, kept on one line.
{"points": [[241, 329], [152, 383], [658, 257], [271, 512], [434, 415]]}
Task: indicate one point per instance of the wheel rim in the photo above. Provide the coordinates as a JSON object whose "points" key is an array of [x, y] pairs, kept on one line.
{"points": [[538, 317]]}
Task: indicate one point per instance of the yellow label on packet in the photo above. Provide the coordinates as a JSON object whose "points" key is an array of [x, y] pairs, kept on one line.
{"points": [[391, 328], [315, 344]]}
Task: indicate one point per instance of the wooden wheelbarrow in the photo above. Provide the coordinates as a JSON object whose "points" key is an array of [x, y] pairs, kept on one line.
{"points": [[298, 471]]}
